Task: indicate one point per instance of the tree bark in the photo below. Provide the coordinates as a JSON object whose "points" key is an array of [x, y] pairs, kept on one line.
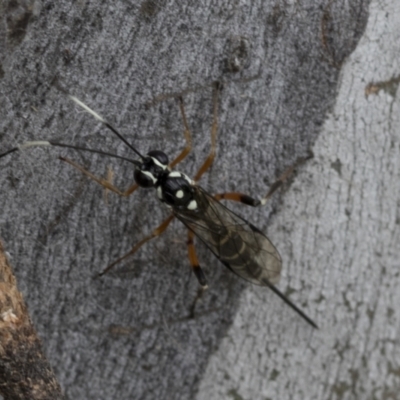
{"points": [[294, 78], [342, 213], [24, 370]]}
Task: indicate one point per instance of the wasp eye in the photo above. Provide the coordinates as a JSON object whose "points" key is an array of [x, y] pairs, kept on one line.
{"points": [[159, 155], [143, 179]]}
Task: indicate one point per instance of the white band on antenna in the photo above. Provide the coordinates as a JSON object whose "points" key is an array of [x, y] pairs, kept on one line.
{"points": [[25, 145]]}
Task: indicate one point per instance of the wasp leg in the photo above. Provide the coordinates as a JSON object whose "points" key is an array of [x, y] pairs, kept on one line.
{"points": [[209, 160], [194, 262], [198, 297], [103, 182], [250, 201], [188, 137], [156, 232], [281, 180], [239, 197], [110, 177]]}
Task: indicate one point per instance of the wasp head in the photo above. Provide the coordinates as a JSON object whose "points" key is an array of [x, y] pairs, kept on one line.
{"points": [[149, 171]]}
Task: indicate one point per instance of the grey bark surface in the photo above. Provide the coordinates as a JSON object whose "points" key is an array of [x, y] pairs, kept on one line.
{"points": [[127, 335], [25, 373], [342, 213]]}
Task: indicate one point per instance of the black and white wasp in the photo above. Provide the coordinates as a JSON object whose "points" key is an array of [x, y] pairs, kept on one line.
{"points": [[238, 244]]}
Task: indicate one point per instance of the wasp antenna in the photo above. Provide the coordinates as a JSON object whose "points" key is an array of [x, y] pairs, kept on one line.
{"points": [[89, 110], [38, 143], [9, 151], [103, 121], [104, 153], [25, 145], [35, 143]]}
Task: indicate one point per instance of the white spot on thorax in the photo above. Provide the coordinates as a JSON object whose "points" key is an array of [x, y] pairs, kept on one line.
{"points": [[192, 205], [179, 194]]}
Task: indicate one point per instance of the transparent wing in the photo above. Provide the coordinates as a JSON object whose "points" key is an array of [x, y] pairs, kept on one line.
{"points": [[239, 245]]}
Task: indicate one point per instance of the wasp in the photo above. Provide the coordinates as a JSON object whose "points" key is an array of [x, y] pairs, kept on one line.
{"points": [[238, 244]]}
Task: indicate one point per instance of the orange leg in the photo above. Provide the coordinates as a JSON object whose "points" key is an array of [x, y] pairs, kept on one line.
{"points": [[214, 128], [103, 182], [187, 135], [250, 201], [281, 180], [194, 262], [157, 232]]}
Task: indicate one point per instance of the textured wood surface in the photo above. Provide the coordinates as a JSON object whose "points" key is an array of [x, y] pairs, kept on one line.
{"points": [[127, 335], [342, 213], [25, 372]]}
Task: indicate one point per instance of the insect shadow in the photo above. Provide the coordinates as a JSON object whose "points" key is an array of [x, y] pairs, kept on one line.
{"points": [[238, 244]]}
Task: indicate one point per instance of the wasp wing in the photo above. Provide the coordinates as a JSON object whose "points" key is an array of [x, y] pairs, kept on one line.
{"points": [[239, 245]]}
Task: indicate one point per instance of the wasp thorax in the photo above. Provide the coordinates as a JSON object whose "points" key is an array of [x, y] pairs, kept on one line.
{"points": [[152, 167], [177, 191]]}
